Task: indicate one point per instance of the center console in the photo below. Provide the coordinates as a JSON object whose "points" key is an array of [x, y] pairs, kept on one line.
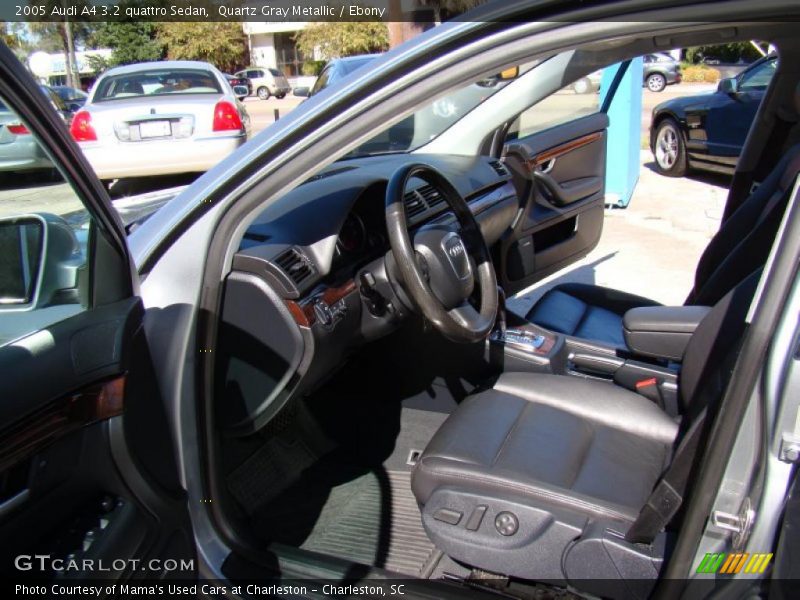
{"points": [[648, 365]]}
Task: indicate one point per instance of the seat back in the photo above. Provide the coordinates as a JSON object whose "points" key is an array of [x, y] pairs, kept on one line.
{"points": [[743, 241]]}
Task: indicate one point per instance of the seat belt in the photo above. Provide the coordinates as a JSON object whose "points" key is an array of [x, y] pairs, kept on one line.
{"points": [[666, 498]]}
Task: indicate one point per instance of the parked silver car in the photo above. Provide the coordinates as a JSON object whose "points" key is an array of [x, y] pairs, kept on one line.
{"points": [[266, 82], [19, 151], [159, 118]]}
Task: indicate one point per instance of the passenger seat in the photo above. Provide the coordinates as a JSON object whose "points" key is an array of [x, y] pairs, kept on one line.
{"points": [[740, 246]]}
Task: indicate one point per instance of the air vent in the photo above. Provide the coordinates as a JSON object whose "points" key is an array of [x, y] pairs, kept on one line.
{"points": [[295, 265], [431, 195], [499, 168], [415, 205]]}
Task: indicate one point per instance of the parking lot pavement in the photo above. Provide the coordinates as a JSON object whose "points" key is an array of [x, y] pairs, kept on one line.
{"points": [[262, 112], [652, 247]]}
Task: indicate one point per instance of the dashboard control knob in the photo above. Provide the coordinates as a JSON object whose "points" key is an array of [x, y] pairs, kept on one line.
{"points": [[323, 313]]}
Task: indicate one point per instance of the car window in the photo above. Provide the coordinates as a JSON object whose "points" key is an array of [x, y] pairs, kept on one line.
{"points": [[44, 230], [758, 77], [275, 73], [155, 82], [579, 99], [322, 81]]}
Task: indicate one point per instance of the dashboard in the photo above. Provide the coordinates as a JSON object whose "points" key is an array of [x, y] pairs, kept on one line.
{"points": [[314, 277]]}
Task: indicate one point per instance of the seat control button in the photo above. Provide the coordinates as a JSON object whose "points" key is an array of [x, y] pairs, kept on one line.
{"points": [[476, 517], [506, 523], [445, 515]]}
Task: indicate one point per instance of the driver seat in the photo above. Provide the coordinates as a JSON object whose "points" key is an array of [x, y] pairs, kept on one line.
{"points": [[541, 473]]}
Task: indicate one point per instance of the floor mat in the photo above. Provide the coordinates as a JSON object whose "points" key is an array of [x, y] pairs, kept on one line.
{"points": [[369, 517]]}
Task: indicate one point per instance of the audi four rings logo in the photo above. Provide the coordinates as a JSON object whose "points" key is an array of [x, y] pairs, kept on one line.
{"points": [[456, 249]]}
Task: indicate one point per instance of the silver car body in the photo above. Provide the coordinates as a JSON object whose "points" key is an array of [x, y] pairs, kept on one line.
{"points": [[19, 152], [262, 78], [192, 147]]}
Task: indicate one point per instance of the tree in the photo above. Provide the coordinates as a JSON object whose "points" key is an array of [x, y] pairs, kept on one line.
{"points": [[222, 44], [337, 39], [731, 53], [130, 41]]}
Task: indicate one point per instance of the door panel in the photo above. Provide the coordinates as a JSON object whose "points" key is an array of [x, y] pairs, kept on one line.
{"points": [[87, 465], [560, 178]]}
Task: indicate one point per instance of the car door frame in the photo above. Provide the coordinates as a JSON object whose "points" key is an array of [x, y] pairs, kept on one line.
{"points": [[90, 402]]}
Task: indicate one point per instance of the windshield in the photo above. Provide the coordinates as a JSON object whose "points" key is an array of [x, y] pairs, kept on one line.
{"points": [[157, 82], [432, 120]]}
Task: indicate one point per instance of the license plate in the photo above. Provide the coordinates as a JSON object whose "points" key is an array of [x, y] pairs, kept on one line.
{"points": [[152, 129]]}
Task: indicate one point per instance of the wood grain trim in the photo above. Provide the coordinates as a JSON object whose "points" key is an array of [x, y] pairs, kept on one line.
{"points": [[60, 417], [563, 149], [303, 311]]}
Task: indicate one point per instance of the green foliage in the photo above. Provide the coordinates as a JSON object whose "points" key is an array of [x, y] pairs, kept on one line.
{"points": [[131, 42], [338, 39], [312, 68], [222, 44], [728, 53]]}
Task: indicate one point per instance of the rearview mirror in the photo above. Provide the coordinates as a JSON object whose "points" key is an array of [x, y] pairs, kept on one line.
{"points": [[302, 92], [40, 262], [728, 86]]}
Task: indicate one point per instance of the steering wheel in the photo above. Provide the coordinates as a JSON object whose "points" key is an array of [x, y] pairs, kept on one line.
{"points": [[438, 269]]}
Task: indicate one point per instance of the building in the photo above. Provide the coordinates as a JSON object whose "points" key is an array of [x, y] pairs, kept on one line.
{"points": [[272, 46]]}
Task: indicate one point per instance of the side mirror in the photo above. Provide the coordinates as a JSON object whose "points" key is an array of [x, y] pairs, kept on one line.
{"points": [[74, 107], [302, 92], [240, 90], [728, 86], [40, 258]]}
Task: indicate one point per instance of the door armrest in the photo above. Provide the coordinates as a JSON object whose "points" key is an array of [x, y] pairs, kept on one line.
{"points": [[661, 331]]}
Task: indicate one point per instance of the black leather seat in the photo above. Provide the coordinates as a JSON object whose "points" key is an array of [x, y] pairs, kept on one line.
{"points": [[521, 476], [741, 245]]}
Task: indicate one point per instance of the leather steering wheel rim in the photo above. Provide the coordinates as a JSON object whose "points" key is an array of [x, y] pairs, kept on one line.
{"points": [[462, 323]]}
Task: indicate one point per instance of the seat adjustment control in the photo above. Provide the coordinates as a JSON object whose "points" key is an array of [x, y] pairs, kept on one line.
{"points": [[446, 515], [506, 523], [476, 517]]}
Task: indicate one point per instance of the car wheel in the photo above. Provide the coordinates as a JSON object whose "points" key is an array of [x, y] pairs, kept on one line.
{"points": [[669, 149], [263, 93], [582, 86], [656, 82], [280, 96]]}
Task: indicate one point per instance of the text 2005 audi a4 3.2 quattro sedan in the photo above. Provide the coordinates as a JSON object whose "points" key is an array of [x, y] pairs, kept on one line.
{"points": [[302, 367]]}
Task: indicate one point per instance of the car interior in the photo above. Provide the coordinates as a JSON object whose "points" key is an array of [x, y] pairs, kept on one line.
{"points": [[377, 405]]}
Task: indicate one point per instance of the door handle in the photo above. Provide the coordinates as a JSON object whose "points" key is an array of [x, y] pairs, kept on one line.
{"points": [[561, 196]]}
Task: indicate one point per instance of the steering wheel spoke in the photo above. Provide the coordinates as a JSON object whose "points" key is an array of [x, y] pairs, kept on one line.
{"points": [[456, 259]]}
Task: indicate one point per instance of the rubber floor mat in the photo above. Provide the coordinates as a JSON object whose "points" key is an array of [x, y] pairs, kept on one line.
{"points": [[365, 516]]}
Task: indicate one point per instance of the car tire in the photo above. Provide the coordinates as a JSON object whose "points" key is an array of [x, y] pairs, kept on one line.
{"points": [[669, 149], [582, 86], [242, 98], [263, 93], [280, 96], [656, 82]]}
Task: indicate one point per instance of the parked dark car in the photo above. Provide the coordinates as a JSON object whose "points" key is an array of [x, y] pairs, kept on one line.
{"points": [[72, 97], [334, 71], [708, 131], [240, 82], [660, 70]]}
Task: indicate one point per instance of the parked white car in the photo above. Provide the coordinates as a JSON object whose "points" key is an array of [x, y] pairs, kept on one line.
{"points": [[266, 82], [159, 118]]}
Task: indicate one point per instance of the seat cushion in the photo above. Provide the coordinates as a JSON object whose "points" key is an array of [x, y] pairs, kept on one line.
{"points": [[556, 441], [589, 312]]}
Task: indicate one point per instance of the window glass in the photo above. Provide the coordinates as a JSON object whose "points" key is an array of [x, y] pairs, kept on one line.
{"points": [[44, 230], [579, 99], [156, 82], [759, 77]]}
